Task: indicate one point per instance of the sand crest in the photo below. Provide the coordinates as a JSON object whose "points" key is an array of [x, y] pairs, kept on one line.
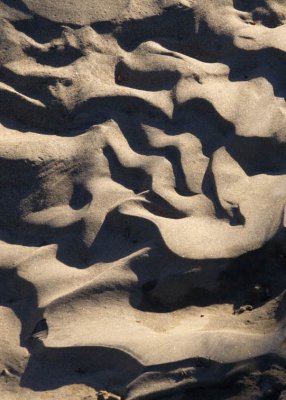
{"points": [[142, 199]]}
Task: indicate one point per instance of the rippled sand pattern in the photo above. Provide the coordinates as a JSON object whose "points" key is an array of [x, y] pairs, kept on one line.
{"points": [[142, 199]]}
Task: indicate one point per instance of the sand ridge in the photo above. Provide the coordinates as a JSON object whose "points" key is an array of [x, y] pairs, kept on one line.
{"points": [[143, 199]]}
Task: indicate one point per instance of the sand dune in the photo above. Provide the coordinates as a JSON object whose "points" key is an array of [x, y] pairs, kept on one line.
{"points": [[143, 199]]}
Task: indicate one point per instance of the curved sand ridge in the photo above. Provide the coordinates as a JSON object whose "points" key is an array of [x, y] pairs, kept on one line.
{"points": [[143, 198]]}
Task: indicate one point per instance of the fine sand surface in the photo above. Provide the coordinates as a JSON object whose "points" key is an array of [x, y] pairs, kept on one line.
{"points": [[142, 199]]}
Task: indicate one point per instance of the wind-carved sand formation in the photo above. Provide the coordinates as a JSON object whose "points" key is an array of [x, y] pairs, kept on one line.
{"points": [[142, 199]]}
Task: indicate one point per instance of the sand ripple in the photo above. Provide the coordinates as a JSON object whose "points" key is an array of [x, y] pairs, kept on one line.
{"points": [[143, 197]]}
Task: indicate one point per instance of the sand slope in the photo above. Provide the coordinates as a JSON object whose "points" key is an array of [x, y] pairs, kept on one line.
{"points": [[142, 199]]}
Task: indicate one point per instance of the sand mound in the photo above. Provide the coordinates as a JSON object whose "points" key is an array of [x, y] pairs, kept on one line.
{"points": [[143, 199]]}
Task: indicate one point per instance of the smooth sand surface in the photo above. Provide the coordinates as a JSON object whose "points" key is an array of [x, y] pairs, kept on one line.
{"points": [[142, 199]]}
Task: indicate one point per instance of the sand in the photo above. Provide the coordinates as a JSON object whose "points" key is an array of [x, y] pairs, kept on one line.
{"points": [[142, 199]]}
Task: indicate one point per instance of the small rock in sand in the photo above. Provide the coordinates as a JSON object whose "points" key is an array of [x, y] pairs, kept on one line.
{"points": [[103, 395], [242, 309]]}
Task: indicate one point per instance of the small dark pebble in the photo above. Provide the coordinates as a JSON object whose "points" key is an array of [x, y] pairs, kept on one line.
{"points": [[242, 309]]}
